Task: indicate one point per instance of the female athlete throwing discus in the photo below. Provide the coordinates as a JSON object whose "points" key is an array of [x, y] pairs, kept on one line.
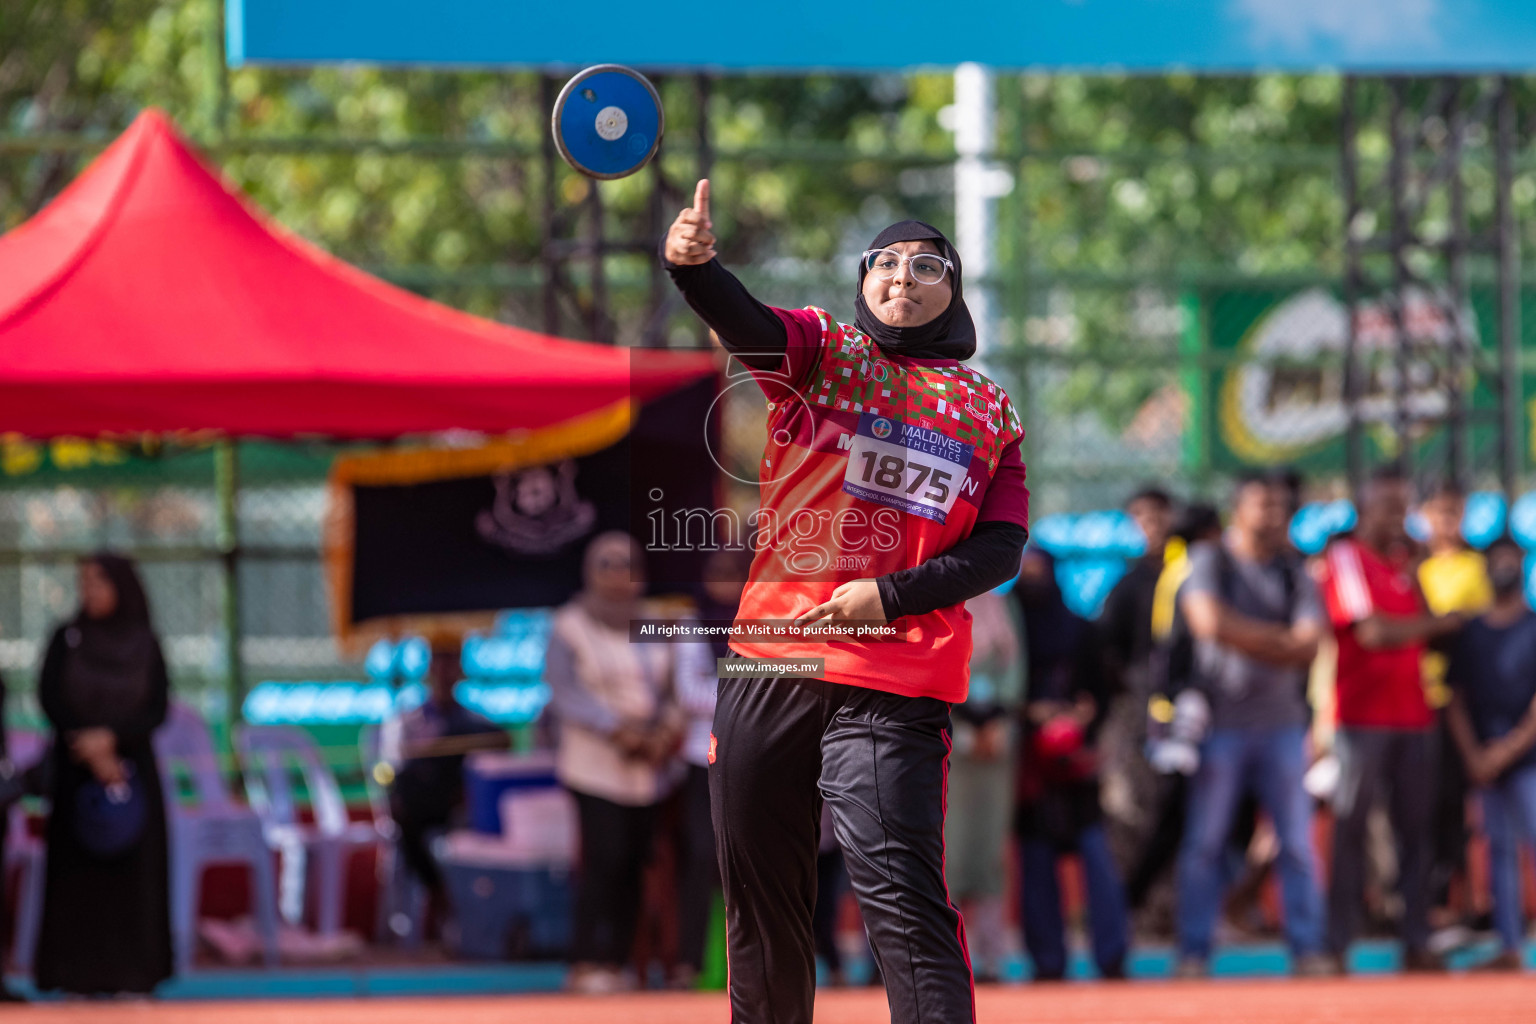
{"points": [[892, 491]]}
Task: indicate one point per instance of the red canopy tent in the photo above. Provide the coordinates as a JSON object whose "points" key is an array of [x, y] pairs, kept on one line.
{"points": [[151, 297]]}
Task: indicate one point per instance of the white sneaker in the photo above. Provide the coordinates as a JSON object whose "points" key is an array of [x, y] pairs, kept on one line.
{"points": [[599, 981]]}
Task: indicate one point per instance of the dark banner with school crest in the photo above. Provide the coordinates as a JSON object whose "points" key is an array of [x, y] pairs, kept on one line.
{"points": [[431, 534]]}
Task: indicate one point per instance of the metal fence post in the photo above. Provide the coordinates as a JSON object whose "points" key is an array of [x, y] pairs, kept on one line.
{"points": [[975, 237], [1511, 376], [1195, 371], [227, 485]]}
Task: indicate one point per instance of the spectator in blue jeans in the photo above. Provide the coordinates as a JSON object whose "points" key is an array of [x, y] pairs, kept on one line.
{"points": [[1058, 782], [1492, 674], [1256, 619]]}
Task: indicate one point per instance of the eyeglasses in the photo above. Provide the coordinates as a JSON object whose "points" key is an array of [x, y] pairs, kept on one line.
{"points": [[926, 268]]}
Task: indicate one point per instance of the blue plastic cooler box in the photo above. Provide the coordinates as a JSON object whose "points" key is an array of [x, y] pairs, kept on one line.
{"points": [[487, 775], [506, 912]]}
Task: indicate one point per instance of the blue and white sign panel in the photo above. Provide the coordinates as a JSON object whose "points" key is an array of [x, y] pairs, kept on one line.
{"points": [[1108, 533], [332, 702], [1135, 35]]}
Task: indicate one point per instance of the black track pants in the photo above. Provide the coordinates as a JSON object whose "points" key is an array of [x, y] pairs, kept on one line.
{"points": [[880, 761], [615, 848]]}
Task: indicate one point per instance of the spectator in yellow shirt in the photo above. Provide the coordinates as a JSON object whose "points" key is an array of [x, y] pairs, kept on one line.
{"points": [[1454, 578]]}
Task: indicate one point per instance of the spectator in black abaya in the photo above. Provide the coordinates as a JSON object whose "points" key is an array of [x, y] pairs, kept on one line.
{"points": [[10, 791], [1058, 791], [106, 913]]}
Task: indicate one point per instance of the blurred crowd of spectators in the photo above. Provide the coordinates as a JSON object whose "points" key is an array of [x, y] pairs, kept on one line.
{"points": [[1237, 712], [1388, 684]]}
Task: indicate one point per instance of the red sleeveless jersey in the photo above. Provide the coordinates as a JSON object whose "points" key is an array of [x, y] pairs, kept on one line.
{"points": [[875, 463]]}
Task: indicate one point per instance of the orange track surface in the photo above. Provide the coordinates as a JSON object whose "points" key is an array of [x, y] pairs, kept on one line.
{"points": [[1449, 1000]]}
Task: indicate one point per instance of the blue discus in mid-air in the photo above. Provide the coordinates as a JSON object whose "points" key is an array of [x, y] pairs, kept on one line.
{"points": [[608, 121]]}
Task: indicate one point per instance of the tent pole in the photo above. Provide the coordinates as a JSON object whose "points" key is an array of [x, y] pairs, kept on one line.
{"points": [[227, 484]]}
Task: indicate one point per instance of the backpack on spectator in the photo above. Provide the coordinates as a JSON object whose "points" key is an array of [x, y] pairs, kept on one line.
{"points": [[1178, 712]]}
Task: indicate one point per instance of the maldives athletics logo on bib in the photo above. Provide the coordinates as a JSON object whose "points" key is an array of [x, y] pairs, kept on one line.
{"points": [[912, 468]]}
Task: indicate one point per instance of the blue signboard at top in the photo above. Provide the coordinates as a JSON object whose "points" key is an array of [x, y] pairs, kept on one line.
{"points": [[798, 35]]}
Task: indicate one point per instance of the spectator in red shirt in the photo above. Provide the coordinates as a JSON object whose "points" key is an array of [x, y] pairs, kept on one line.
{"points": [[1386, 740]]}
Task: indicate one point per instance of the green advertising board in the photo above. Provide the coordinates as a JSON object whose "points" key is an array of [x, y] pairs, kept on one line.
{"points": [[151, 461], [1274, 376]]}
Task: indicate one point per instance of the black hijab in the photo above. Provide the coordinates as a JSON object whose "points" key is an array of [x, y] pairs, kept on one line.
{"points": [[950, 335], [107, 671]]}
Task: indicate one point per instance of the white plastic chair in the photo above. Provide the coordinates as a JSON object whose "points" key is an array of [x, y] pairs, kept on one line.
{"points": [[26, 747], [402, 898], [268, 756], [215, 830]]}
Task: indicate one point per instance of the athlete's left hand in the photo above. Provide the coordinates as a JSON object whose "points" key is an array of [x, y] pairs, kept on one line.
{"points": [[856, 600]]}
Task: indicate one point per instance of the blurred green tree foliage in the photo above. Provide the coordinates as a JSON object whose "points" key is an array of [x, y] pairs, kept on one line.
{"points": [[1121, 195], [425, 197], [1122, 184]]}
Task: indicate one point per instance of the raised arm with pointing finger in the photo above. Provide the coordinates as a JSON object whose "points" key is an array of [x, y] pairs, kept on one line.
{"points": [[748, 329]]}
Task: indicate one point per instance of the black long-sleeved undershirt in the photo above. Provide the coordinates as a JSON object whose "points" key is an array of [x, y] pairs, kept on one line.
{"points": [[749, 330], [987, 558], [755, 335]]}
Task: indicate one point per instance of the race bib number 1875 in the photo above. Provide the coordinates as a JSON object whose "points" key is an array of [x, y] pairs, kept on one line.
{"points": [[918, 471]]}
